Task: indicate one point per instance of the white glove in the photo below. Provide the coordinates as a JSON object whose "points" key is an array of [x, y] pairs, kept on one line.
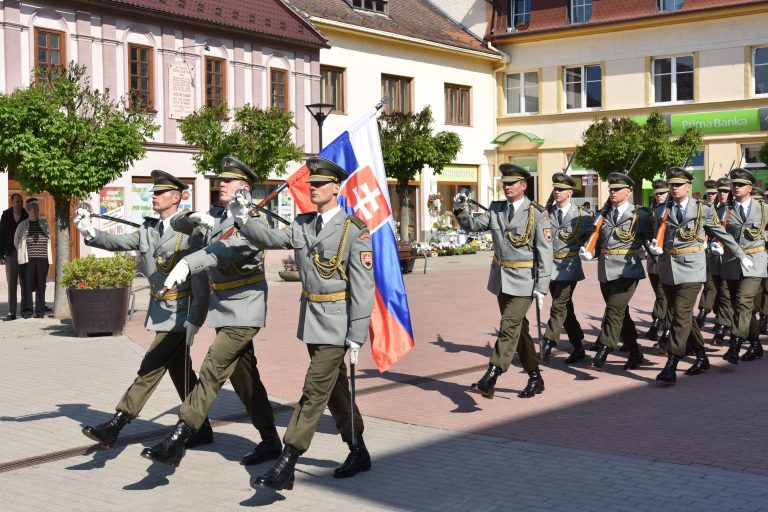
{"points": [[239, 207], [191, 331], [539, 299], [202, 219], [459, 201], [84, 224], [716, 248], [747, 264], [655, 249], [585, 255], [354, 348], [178, 274]]}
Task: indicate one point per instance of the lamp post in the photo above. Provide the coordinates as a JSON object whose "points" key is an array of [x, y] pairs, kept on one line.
{"points": [[320, 111]]}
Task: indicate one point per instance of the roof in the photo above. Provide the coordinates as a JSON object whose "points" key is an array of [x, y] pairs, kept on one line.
{"points": [[411, 18], [265, 17]]}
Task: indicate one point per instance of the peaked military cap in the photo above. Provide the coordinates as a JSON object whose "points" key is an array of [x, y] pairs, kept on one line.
{"points": [[511, 173], [660, 186], [757, 193], [724, 184], [710, 187], [739, 175], [234, 169], [562, 180], [163, 181], [678, 175], [620, 180], [323, 170]]}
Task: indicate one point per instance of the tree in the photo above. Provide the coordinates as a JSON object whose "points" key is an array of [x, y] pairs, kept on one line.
{"points": [[611, 145], [59, 135], [408, 144], [763, 153], [259, 138]]}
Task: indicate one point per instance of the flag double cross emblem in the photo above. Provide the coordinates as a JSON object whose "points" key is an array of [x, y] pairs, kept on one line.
{"points": [[366, 198]]}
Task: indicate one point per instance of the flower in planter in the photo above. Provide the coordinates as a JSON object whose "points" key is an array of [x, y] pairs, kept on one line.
{"points": [[90, 273], [289, 264]]}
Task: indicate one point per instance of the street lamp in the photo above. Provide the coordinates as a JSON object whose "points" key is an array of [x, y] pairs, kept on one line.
{"points": [[320, 111], [184, 58]]}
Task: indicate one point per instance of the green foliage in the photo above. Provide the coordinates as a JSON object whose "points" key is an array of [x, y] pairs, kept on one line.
{"points": [[764, 152], [89, 273], [611, 145], [260, 138], [61, 136]]}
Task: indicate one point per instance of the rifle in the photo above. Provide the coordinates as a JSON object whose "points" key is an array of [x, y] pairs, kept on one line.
{"points": [[662, 230], [87, 206]]}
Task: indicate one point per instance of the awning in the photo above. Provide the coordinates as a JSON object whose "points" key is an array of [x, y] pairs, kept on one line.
{"points": [[507, 136]]}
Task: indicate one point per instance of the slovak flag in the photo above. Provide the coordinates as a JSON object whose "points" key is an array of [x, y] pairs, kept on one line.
{"points": [[365, 195]]}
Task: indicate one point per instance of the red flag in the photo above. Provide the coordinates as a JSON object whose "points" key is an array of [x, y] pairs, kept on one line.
{"points": [[299, 189]]}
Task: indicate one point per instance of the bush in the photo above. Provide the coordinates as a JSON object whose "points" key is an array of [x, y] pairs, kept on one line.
{"points": [[91, 272]]}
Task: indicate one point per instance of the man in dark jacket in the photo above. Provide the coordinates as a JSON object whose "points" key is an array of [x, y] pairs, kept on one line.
{"points": [[9, 221]]}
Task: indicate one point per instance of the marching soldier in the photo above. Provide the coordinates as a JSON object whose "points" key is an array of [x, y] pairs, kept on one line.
{"points": [[686, 223], [709, 294], [624, 230], [335, 258], [659, 314], [522, 265], [237, 311], [174, 317], [571, 226], [745, 220], [722, 306]]}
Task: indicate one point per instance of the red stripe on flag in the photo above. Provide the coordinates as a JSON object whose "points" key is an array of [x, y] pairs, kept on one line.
{"points": [[299, 189], [389, 341]]}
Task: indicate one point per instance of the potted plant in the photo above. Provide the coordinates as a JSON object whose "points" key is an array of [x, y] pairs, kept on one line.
{"points": [[521, 26], [98, 290], [290, 271]]}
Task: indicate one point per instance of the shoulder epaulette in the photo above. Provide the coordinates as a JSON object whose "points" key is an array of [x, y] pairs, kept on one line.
{"points": [[538, 206], [497, 202], [151, 221], [216, 211], [357, 221], [305, 216]]}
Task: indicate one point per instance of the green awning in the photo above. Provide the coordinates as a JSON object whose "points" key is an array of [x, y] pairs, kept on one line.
{"points": [[507, 136]]}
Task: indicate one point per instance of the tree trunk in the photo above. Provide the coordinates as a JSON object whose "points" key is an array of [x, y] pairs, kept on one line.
{"points": [[402, 191], [60, 303]]}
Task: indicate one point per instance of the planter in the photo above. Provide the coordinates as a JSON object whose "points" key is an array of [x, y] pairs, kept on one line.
{"points": [[100, 311], [289, 275]]}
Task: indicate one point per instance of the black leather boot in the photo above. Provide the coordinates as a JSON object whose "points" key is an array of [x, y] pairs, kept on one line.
{"points": [[546, 351], [634, 360], [754, 351], [269, 448], [595, 346], [702, 317], [599, 360], [700, 364], [720, 333], [204, 435], [661, 346], [535, 385], [358, 460], [106, 433], [669, 373], [732, 354], [486, 385], [577, 354], [653, 330], [171, 449], [281, 475], [763, 324]]}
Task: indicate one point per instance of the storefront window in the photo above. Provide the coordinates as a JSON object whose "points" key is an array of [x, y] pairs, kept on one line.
{"points": [[530, 164]]}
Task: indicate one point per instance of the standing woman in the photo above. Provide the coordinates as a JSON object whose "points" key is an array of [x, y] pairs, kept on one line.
{"points": [[33, 245]]}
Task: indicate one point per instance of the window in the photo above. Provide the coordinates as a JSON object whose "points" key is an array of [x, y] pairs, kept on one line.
{"points": [[760, 70], [278, 79], [673, 79], [399, 89], [583, 87], [332, 87], [370, 5], [521, 14], [522, 90], [215, 82], [457, 105], [140, 77], [49, 51], [580, 11], [751, 157], [670, 5], [530, 164]]}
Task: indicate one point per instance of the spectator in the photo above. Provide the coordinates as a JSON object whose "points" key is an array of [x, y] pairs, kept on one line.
{"points": [[33, 243], [9, 221]]}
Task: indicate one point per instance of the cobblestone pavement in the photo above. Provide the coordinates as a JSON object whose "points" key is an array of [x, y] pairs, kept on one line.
{"points": [[610, 441]]}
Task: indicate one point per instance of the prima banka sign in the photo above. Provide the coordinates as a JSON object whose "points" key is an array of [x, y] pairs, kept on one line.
{"points": [[744, 120]]}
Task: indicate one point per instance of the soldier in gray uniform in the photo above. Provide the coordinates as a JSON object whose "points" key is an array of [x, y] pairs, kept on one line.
{"points": [[659, 314], [174, 317], [333, 252], [709, 293], [745, 220], [722, 306], [570, 227], [520, 273], [682, 264], [625, 229], [235, 271]]}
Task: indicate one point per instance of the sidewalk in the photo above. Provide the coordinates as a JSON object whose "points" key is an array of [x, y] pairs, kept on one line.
{"points": [[613, 441]]}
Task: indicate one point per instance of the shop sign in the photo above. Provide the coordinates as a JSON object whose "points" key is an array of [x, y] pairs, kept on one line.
{"points": [[467, 173], [744, 120]]}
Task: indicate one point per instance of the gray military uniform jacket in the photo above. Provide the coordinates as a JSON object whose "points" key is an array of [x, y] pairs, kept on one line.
{"points": [[568, 237], [751, 237], [685, 257], [518, 246], [652, 265], [336, 269], [235, 271], [160, 254], [715, 261], [619, 244]]}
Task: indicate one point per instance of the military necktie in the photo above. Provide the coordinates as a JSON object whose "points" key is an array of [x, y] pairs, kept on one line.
{"points": [[161, 228], [679, 214], [742, 214], [510, 212], [615, 216], [318, 224], [559, 217]]}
